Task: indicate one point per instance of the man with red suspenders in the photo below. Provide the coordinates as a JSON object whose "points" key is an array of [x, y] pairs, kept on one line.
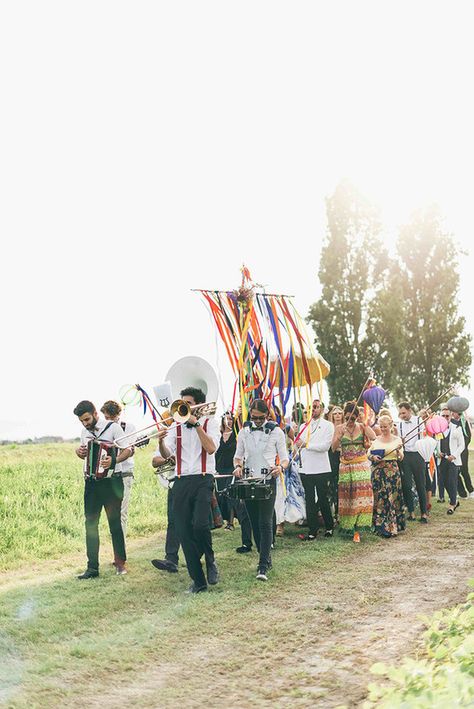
{"points": [[193, 445]]}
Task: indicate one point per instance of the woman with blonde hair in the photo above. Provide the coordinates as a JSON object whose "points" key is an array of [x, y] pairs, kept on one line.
{"points": [[385, 453]]}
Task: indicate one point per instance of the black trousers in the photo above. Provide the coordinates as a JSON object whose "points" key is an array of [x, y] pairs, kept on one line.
{"points": [[334, 461], [413, 468], [319, 482], [465, 488], [172, 539], [191, 508], [449, 474], [107, 493], [261, 519]]}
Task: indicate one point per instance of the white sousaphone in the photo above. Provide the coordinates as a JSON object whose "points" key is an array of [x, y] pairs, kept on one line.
{"points": [[189, 372], [186, 372]]}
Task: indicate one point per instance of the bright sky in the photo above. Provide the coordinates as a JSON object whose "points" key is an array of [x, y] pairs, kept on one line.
{"points": [[150, 148]]}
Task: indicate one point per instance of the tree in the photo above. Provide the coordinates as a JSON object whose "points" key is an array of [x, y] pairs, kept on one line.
{"points": [[350, 260], [437, 349]]}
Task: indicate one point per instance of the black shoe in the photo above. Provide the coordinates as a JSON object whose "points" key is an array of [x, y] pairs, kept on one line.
{"points": [[165, 565], [411, 519], [88, 574], [261, 575], [196, 589], [328, 533], [243, 549], [212, 574], [424, 520], [440, 500]]}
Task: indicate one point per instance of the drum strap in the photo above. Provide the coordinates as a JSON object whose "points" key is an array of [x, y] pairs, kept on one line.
{"points": [[179, 450]]}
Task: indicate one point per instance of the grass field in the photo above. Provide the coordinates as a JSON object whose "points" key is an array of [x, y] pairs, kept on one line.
{"points": [[41, 506], [306, 638]]}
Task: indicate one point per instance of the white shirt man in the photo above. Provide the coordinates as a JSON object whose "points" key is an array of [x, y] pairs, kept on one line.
{"points": [[450, 448], [105, 433], [314, 443], [413, 465], [259, 448], [106, 492], [193, 445]]}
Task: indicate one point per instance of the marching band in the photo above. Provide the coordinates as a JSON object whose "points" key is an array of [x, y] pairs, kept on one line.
{"points": [[378, 468]]}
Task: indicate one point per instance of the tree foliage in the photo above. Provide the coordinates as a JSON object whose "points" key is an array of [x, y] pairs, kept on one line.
{"points": [[437, 348], [394, 316], [350, 260]]}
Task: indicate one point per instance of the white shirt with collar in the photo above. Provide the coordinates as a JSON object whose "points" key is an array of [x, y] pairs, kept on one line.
{"points": [[408, 429], [314, 452], [259, 448], [456, 442], [128, 466], [191, 447], [113, 432]]}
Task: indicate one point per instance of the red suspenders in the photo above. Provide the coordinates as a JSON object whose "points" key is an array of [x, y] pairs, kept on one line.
{"points": [[179, 450]]}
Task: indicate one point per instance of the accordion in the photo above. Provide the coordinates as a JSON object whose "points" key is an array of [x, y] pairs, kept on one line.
{"points": [[97, 450]]}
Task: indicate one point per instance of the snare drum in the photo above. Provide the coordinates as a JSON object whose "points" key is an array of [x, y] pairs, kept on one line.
{"points": [[96, 451], [250, 489]]}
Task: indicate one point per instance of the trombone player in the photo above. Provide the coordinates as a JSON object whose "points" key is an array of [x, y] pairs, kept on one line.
{"points": [[193, 445]]}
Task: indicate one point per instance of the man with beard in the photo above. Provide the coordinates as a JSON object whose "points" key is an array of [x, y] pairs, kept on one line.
{"points": [[315, 470], [106, 492]]}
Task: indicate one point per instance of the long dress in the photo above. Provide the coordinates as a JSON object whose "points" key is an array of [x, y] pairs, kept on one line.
{"points": [[356, 499], [389, 513]]}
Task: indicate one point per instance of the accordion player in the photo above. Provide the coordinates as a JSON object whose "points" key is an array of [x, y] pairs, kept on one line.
{"points": [[97, 450]]}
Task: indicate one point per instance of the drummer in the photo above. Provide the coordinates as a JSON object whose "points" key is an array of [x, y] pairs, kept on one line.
{"points": [[261, 452]]}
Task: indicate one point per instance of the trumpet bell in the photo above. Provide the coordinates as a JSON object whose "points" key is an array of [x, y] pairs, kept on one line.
{"points": [[180, 411]]}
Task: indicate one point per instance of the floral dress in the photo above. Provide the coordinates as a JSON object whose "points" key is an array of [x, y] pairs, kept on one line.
{"points": [[389, 513], [356, 499]]}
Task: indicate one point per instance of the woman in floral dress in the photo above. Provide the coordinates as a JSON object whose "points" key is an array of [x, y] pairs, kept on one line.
{"points": [[355, 489], [389, 514]]}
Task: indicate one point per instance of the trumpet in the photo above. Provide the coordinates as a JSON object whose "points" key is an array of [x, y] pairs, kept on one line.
{"points": [[180, 412]]}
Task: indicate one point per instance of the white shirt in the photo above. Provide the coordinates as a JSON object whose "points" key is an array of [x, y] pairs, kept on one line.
{"points": [[314, 454], [191, 447], [259, 449], [128, 465], [113, 431], [407, 429]]}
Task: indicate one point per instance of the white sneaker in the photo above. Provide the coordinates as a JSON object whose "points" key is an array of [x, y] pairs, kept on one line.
{"points": [[471, 494], [120, 570], [261, 575]]}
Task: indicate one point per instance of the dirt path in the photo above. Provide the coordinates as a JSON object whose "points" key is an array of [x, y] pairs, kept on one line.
{"points": [[322, 633], [307, 639]]}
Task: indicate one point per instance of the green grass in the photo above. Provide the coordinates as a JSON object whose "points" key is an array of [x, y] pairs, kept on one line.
{"points": [[59, 636], [41, 502], [444, 674]]}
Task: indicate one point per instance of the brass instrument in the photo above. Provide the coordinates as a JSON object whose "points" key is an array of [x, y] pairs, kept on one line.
{"points": [[187, 371], [180, 412], [166, 472]]}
